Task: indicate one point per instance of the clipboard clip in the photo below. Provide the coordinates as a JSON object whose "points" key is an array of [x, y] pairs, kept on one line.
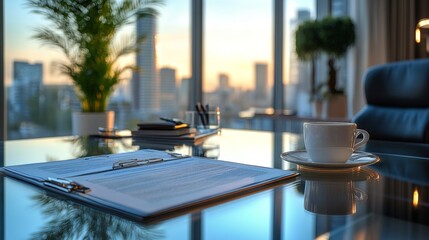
{"points": [[135, 162], [66, 185]]}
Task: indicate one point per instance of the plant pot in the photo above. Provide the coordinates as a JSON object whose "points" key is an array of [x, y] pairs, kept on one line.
{"points": [[87, 123], [335, 107]]}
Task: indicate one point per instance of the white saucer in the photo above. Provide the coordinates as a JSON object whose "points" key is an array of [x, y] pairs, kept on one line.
{"points": [[357, 159]]}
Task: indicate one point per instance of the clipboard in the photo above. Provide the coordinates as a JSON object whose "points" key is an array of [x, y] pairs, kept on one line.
{"points": [[147, 184]]}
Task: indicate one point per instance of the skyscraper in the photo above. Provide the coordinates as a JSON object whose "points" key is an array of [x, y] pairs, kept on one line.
{"points": [[26, 84], [145, 86], [183, 94], [261, 84], [223, 93], [223, 81], [297, 68], [168, 95], [298, 88]]}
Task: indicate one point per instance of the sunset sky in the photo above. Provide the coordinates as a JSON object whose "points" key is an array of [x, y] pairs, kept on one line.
{"points": [[238, 33]]}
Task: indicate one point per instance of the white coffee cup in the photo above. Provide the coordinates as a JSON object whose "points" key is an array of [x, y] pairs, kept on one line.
{"points": [[332, 142]]}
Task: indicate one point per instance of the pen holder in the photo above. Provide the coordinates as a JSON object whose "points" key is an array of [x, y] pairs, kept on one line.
{"points": [[203, 121]]}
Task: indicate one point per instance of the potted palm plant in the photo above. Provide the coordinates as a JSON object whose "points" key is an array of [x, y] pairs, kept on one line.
{"points": [[86, 33]]}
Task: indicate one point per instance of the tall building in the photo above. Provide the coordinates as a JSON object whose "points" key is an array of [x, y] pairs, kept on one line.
{"points": [[26, 85], [261, 84], [168, 89], [339, 7], [298, 88], [145, 86], [295, 66], [223, 94], [183, 95], [223, 82]]}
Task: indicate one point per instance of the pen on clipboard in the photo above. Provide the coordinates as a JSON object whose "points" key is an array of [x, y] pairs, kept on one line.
{"points": [[135, 162], [65, 185]]}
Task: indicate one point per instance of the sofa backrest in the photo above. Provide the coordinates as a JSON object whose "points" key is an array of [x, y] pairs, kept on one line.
{"points": [[397, 97], [400, 84]]}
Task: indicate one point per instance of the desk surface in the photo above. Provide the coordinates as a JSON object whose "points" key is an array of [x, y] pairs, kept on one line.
{"points": [[388, 200]]}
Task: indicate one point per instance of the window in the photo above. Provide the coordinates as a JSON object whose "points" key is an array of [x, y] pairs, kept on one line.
{"points": [[40, 101], [160, 87], [297, 74], [238, 46], [27, 70], [237, 72]]}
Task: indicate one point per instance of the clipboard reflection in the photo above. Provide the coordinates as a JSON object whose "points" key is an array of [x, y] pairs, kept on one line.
{"points": [[72, 221]]}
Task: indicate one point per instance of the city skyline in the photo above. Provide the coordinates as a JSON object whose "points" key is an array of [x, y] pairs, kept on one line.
{"points": [[28, 100], [173, 40]]}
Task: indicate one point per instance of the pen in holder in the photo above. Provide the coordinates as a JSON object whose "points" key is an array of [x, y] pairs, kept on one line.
{"points": [[202, 121]]}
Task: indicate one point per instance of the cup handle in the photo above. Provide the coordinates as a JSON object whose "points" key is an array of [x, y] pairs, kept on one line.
{"points": [[365, 139]]}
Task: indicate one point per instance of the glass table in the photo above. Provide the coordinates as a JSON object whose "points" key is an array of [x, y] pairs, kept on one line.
{"points": [[387, 200]]}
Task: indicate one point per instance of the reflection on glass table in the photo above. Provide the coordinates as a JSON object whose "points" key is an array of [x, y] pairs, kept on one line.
{"points": [[335, 193], [72, 221], [392, 200]]}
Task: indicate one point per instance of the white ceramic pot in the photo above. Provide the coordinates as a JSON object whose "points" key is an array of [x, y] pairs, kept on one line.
{"points": [[87, 123]]}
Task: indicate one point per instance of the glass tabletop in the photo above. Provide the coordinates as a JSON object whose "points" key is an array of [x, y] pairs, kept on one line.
{"points": [[386, 200]]}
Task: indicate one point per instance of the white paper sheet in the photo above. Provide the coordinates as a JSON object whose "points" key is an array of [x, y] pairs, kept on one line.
{"points": [[80, 166], [155, 188]]}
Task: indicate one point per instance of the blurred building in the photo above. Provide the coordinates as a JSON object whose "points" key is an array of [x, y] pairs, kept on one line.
{"points": [[297, 93], [183, 93], [25, 91], [168, 91], [145, 83], [261, 85]]}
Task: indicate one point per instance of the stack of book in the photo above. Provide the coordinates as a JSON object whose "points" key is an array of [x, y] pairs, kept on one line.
{"points": [[171, 131], [162, 130]]}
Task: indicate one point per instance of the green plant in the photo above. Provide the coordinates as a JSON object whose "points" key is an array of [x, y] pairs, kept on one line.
{"points": [[307, 47], [330, 35], [86, 32], [336, 34], [307, 40]]}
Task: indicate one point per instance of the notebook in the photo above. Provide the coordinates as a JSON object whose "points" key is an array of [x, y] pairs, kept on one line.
{"points": [[163, 133], [161, 126]]}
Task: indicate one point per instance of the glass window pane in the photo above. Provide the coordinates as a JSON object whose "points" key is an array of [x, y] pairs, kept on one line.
{"points": [[40, 101], [27, 71], [238, 43], [174, 56], [164, 61], [297, 73]]}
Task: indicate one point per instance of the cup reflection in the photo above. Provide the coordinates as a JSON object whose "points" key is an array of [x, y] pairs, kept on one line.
{"points": [[332, 198], [335, 192]]}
